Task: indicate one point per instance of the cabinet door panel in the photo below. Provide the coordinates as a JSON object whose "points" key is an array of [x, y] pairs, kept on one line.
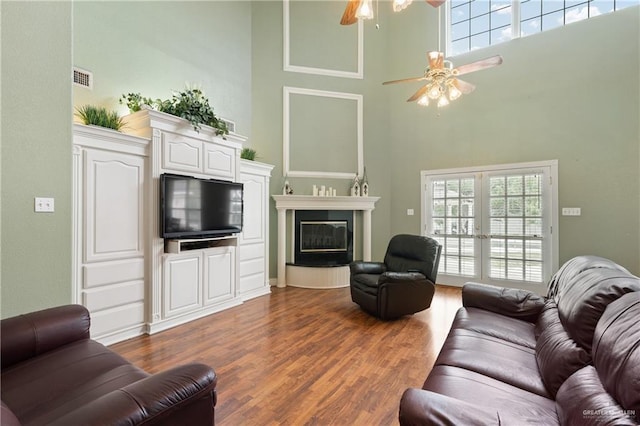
{"points": [[220, 161], [114, 193], [182, 283], [181, 153], [220, 274], [254, 196]]}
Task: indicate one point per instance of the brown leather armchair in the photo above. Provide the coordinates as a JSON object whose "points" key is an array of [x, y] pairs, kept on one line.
{"points": [[54, 374], [401, 285]]}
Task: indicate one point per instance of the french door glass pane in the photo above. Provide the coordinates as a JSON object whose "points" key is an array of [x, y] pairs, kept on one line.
{"points": [[515, 231], [452, 223]]}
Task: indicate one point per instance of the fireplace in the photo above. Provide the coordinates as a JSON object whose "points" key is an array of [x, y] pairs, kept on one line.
{"points": [[323, 237]]}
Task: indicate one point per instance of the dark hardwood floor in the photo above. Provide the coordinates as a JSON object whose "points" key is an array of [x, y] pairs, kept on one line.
{"points": [[304, 357]]}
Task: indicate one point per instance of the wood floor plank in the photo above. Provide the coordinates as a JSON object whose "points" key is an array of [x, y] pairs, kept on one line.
{"points": [[304, 357]]}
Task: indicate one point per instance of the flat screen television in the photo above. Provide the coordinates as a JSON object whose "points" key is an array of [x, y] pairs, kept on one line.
{"points": [[197, 208]]}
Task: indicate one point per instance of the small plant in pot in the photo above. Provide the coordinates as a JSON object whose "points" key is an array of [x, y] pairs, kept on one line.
{"points": [[190, 104], [99, 116], [248, 154]]}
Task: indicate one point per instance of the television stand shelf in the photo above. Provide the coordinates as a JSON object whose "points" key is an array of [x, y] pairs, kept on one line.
{"points": [[181, 245]]}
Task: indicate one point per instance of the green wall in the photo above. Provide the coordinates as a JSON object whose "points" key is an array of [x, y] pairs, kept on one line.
{"points": [[36, 154], [267, 103], [570, 94], [155, 48]]}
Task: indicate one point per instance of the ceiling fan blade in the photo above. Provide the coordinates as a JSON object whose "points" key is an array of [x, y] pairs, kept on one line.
{"points": [[349, 15], [436, 3], [463, 86], [421, 91], [405, 80], [436, 60], [478, 65]]}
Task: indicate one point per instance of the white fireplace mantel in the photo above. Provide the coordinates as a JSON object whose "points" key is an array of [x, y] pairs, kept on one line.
{"points": [[309, 202]]}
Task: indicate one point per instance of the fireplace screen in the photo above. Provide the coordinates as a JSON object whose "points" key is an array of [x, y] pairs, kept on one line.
{"points": [[323, 236]]}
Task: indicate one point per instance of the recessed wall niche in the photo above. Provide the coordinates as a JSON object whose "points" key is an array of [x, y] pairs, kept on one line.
{"points": [[338, 51], [322, 134]]}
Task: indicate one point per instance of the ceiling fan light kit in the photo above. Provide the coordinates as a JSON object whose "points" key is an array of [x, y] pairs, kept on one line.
{"points": [[442, 83]]}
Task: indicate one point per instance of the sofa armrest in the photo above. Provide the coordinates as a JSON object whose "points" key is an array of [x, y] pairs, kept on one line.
{"points": [[181, 395], [511, 302], [29, 335], [367, 268], [420, 407]]}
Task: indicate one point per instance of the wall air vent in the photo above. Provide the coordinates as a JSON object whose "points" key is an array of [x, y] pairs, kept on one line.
{"points": [[82, 78], [230, 125]]}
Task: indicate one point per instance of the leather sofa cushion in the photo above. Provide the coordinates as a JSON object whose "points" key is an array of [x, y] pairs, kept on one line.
{"points": [[567, 273], [493, 357], [582, 302], [500, 326], [616, 351], [558, 356], [475, 388], [75, 374], [581, 400]]}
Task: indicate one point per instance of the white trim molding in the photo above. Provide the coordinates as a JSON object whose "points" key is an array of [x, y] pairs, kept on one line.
{"points": [[288, 66], [286, 132]]}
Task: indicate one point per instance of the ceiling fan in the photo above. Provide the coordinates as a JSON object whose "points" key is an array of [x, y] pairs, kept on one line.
{"points": [[442, 82], [362, 9]]}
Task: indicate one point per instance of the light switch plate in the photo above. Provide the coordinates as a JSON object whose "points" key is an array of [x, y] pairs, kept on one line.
{"points": [[44, 205], [571, 211], [409, 212]]}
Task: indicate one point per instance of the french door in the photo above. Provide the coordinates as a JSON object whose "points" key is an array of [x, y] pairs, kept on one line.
{"points": [[495, 224]]}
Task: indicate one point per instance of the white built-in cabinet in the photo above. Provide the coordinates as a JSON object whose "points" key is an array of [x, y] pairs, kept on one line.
{"points": [[109, 237], [132, 280], [254, 239]]}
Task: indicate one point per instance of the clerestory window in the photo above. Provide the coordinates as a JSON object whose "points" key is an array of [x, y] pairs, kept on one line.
{"points": [[475, 24]]}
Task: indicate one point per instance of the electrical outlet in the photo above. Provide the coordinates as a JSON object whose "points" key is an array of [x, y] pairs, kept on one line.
{"points": [[571, 211], [44, 205], [409, 212]]}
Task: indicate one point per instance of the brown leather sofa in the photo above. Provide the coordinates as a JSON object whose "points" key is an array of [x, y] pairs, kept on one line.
{"points": [[54, 374], [514, 358]]}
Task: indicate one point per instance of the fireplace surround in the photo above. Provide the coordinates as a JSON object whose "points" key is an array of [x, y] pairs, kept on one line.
{"points": [[320, 277]]}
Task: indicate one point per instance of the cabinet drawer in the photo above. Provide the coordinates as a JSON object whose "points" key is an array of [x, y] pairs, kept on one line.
{"points": [[113, 295]]}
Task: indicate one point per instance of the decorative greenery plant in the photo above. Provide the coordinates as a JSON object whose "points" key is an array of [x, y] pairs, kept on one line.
{"points": [[248, 154], [190, 104], [99, 116]]}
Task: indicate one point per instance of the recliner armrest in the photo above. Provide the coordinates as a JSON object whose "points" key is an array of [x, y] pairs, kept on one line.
{"points": [[511, 302], [421, 407], [361, 267], [185, 393], [26, 336], [399, 277]]}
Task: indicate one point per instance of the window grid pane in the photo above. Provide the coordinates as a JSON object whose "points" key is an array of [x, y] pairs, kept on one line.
{"points": [[480, 23]]}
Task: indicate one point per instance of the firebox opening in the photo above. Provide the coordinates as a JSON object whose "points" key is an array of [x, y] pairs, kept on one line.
{"points": [[323, 238]]}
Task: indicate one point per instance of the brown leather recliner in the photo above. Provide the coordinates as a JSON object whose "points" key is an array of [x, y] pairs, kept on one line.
{"points": [[54, 374], [401, 285]]}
